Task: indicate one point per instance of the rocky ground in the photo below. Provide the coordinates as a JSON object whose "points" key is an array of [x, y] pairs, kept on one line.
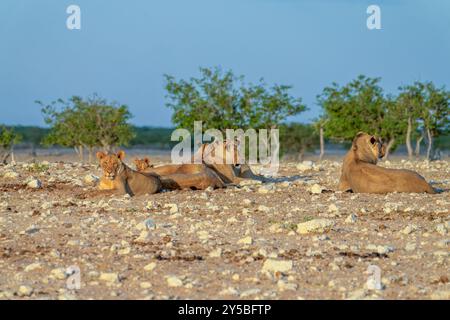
{"points": [[294, 238]]}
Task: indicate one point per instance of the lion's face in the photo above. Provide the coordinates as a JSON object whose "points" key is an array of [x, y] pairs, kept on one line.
{"points": [[221, 152], [368, 147], [111, 164], [142, 164]]}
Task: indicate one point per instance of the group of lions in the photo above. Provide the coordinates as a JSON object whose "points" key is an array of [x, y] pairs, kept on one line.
{"points": [[212, 169]]}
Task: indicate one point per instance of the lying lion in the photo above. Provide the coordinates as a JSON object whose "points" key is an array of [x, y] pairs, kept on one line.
{"points": [[118, 176], [361, 174], [181, 176], [223, 158]]}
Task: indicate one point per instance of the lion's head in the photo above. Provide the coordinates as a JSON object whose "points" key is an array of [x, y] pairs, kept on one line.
{"points": [[368, 148], [221, 152], [142, 164], [111, 164]]}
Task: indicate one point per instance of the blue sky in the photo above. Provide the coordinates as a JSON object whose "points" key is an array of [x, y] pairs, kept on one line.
{"points": [[124, 48]]}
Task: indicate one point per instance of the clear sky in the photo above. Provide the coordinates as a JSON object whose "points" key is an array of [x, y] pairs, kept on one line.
{"points": [[124, 48]]}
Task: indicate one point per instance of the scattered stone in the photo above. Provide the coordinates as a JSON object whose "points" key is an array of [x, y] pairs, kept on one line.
{"points": [[441, 229], [33, 266], [25, 291], [145, 285], [173, 281], [380, 249], [409, 229], [216, 253], [109, 277], [34, 183], [305, 166], [271, 265], [352, 218], [316, 225], [150, 267], [58, 273], [246, 240], [173, 207], [316, 189], [10, 175]]}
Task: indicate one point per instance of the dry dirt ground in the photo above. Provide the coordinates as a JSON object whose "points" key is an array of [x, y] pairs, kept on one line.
{"points": [[242, 242]]}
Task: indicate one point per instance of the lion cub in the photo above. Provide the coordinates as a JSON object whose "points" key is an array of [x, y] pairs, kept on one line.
{"points": [[118, 176], [361, 174]]}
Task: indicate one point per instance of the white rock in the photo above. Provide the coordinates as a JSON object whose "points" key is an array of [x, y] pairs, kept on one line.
{"points": [[271, 265], [316, 189], [173, 281], [10, 175], [34, 183], [150, 267], [33, 266], [316, 225], [380, 249], [441, 229], [25, 291], [351, 218], [216, 253], [409, 229], [173, 207], [58, 273], [145, 285], [109, 277], [305, 166], [245, 240]]}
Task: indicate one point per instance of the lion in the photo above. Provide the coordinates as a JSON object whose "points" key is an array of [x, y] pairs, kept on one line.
{"points": [[181, 176], [118, 176], [224, 159], [361, 174]]}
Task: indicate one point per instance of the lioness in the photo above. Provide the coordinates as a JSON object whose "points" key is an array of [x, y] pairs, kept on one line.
{"points": [[361, 174], [118, 176], [223, 158], [181, 176]]}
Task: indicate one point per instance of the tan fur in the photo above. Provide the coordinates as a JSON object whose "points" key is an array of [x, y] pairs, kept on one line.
{"points": [[183, 176], [223, 158], [360, 173], [118, 176]]}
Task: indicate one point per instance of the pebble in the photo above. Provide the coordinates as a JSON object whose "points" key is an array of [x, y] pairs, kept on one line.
{"points": [[109, 277], [316, 189], [25, 291], [150, 267], [245, 240], [271, 265], [352, 218], [316, 225], [32, 267], [173, 281], [34, 183]]}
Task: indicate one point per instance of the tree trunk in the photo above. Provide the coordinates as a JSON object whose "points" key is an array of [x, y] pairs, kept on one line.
{"points": [[388, 148], [430, 144], [418, 142], [13, 159], [90, 154], [408, 138], [322, 143]]}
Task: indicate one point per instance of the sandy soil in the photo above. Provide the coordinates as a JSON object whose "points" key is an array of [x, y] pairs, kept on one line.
{"points": [[241, 242]]}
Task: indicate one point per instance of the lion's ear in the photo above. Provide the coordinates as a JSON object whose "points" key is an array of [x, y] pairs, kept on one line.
{"points": [[373, 140], [100, 155], [121, 154], [147, 160]]}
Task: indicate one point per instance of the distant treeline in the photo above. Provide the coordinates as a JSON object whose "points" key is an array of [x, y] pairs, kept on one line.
{"points": [[33, 136], [157, 137]]}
